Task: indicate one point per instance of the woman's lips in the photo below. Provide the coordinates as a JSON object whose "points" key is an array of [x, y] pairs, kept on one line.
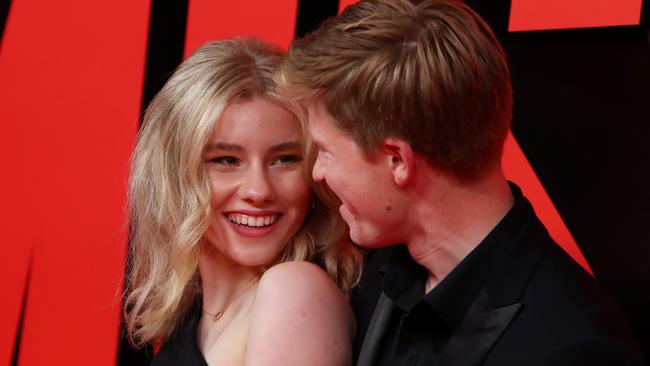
{"points": [[252, 220], [251, 224]]}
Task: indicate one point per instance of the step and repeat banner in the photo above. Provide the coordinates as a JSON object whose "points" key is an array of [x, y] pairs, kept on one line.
{"points": [[76, 75]]}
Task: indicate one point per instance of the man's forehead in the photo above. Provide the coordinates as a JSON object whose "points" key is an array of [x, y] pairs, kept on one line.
{"points": [[318, 117], [317, 109]]}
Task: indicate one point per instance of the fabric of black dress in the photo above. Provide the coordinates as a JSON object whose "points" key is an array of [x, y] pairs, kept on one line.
{"points": [[182, 347]]}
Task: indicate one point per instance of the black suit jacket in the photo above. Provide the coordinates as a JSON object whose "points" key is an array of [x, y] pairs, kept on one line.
{"points": [[538, 307]]}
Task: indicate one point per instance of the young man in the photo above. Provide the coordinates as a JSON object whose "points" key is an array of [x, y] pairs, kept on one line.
{"points": [[409, 103]]}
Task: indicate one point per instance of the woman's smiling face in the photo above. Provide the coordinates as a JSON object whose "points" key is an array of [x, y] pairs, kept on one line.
{"points": [[260, 193]]}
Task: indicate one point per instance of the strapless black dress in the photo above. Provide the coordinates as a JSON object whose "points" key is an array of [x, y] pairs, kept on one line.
{"points": [[182, 348]]}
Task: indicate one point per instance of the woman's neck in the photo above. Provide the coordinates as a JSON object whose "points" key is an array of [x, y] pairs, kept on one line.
{"points": [[228, 294], [223, 280]]}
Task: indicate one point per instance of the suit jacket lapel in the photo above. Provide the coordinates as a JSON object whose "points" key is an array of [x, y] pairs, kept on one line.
{"points": [[494, 308], [478, 332], [498, 301], [376, 329]]}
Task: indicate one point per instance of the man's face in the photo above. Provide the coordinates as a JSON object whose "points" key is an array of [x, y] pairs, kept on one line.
{"points": [[362, 183]]}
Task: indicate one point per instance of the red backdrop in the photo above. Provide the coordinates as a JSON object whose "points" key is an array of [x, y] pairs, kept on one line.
{"points": [[71, 75]]}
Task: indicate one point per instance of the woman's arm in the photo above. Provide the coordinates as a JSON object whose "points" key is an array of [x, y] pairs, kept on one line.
{"points": [[300, 318]]}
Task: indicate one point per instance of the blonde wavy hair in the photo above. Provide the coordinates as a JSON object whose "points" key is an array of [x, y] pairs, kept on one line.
{"points": [[169, 190]]}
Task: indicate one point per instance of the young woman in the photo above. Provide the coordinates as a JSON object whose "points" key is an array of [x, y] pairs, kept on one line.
{"points": [[225, 223]]}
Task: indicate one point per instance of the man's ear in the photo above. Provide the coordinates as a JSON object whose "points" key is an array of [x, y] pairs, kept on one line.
{"points": [[399, 157]]}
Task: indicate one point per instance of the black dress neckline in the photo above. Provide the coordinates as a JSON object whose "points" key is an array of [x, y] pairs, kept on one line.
{"points": [[182, 348]]}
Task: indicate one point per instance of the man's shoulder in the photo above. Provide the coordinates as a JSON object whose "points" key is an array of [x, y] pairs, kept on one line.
{"points": [[559, 283], [565, 313], [563, 308], [540, 274]]}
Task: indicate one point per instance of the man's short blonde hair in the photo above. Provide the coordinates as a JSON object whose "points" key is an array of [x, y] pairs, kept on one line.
{"points": [[429, 72]]}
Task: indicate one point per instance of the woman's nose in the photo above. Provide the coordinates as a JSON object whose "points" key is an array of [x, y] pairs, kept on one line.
{"points": [[256, 187]]}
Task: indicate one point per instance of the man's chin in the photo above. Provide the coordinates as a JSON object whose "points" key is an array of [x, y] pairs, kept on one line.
{"points": [[346, 215], [365, 242]]}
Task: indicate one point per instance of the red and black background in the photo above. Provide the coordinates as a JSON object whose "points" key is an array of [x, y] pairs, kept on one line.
{"points": [[75, 76]]}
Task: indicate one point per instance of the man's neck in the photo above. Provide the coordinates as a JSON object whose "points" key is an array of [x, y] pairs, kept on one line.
{"points": [[452, 219]]}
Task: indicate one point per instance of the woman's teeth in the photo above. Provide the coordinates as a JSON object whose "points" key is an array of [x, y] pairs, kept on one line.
{"points": [[252, 221]]}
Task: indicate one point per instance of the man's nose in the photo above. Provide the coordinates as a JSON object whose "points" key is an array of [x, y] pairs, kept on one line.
{"points": [[318, 171]]}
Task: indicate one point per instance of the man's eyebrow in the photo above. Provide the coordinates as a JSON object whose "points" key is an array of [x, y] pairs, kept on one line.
{"points": [[224, 146], [291, 145], [316, 142]]}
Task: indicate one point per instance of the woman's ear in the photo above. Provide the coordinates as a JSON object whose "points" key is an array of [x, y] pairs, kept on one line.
{"points": [[399, 157]]}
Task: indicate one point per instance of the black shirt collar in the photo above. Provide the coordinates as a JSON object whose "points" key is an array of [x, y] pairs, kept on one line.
{"points": [[404, 279]]}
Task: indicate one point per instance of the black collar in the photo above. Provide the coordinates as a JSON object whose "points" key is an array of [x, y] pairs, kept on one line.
{"points": [[404, 279]]}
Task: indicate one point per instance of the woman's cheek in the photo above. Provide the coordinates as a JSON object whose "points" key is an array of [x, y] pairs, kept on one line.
{"points": [[223, 186]]}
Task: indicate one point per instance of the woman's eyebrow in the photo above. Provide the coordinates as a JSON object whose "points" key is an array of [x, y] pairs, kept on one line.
{"points": [[286, 146], [224, 146]]}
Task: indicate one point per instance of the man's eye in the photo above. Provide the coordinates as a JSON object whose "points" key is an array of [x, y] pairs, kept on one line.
{"points": [[226, 160], [287, 159]]}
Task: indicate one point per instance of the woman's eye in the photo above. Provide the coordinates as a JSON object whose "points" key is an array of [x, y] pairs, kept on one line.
{"points": [[287, 159], [226, 160]]}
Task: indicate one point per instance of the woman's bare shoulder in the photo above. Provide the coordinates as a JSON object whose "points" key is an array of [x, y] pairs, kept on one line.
{"points": [[298, 275], [299, 317], [301, 286]]}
